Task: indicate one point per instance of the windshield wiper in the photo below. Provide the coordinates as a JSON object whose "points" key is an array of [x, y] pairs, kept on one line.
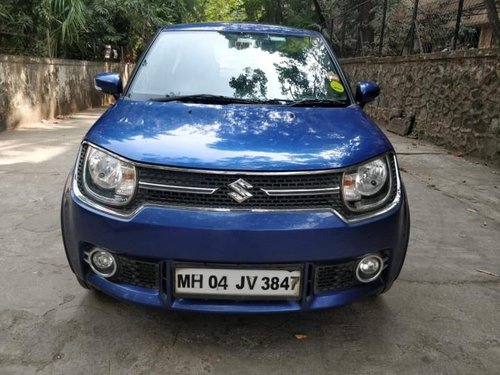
{"points": [[204, 98], [277, 101], [221, 99], [318, 103]]}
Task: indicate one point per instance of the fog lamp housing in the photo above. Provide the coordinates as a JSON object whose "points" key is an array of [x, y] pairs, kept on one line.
{"points": [[369, 268], [103, 263]]}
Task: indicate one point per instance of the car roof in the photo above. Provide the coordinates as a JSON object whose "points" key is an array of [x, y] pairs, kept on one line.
{"points": [[240, 27]]}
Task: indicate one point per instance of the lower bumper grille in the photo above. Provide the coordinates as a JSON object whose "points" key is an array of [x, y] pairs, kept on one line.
{"points": [[139, 273], [334, 276], [327, 277]]}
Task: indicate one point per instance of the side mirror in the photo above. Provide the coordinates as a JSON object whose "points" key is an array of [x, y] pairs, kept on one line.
{"points": [[366, 92], [109, 83]]}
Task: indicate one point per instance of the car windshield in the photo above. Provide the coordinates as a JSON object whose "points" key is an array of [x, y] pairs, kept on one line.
{"points": [[254, 66]]}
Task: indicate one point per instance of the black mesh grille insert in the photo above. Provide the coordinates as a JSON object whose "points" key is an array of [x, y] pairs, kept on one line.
{"points": [[221, 199], [334, 276], [301, 181], [139, 273]]}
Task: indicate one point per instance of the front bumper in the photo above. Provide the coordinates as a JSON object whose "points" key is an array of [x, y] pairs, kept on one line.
{"points": [[169, 235]]}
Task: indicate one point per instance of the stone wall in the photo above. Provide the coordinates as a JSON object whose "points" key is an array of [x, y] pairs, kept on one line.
{"points": [[450, 98], [32, 89]]}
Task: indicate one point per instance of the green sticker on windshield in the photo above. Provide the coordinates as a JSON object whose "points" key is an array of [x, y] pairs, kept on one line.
{"points": [[337, 86]]}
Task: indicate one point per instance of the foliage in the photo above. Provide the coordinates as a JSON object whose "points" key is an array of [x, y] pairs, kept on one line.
{"points": [[81, 28], [63, 19], [218, 10]]}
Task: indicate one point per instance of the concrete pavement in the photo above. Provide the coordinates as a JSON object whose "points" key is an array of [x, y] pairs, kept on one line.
{"points": [[441, 316]]}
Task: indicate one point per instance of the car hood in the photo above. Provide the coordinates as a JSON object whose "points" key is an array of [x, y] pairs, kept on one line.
{"points": [[238, 137]]}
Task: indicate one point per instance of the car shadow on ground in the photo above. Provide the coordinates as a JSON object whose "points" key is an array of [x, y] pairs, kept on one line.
{"points": [[248, 330]]}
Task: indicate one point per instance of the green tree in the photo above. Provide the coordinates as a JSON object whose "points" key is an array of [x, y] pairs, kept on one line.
{"points": [[219, 10], [65, 21], [81, 28]]}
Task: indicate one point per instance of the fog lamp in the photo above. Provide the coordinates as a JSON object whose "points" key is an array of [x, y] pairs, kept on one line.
{"points": [[103, 263], [369, 268]]}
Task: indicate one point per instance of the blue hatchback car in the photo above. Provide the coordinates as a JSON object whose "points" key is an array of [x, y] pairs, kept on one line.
{"points": [[236, 172]]}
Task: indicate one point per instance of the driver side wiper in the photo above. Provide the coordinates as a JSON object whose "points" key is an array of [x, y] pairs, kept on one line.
{"points": [[203, 98], [318, 103]]}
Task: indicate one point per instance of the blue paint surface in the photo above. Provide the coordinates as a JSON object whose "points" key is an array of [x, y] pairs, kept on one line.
{"points": [[238, 137]]}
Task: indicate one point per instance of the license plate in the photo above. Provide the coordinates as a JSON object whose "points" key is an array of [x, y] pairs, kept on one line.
{"points": [[227, 282]]}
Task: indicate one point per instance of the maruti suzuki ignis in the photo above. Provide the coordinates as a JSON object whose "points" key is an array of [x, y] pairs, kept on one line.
{"points": [[236, 172]]}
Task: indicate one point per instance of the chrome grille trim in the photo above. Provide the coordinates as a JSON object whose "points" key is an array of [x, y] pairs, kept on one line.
{"points": [[233, 172], [177, 188], [292, 192]]}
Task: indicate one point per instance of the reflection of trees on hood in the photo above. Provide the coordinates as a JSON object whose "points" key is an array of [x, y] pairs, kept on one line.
{"points": [[252, 83]]}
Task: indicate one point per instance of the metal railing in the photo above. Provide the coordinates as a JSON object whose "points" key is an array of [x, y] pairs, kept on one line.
{"points": [[402, 27]]}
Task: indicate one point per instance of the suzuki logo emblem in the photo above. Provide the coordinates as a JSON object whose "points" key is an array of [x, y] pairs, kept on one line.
{"points": [[240, 191]]}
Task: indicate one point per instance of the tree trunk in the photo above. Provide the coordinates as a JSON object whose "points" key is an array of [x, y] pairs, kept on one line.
{"points": [[493, 17], [365, 16], [319, 12]]}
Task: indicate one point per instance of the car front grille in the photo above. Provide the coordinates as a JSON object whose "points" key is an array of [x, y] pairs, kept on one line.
{"points": [[221, 197], [174, 187]]}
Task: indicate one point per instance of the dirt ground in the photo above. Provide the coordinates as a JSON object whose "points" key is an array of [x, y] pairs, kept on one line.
{"points": [[441, 316]]}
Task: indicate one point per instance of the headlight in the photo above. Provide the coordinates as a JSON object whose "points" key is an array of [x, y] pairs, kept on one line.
{"points": [[108, 179], [368, 186]]}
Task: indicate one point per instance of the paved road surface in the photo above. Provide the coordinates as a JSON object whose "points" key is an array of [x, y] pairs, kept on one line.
{"points": [[442, 316]]}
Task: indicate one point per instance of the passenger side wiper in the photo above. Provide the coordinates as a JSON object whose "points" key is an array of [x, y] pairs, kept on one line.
{"points": [[204, 98], [318, 103], [276, 101]]}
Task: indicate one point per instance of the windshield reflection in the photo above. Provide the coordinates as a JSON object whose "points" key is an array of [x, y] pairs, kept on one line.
{"points": [[251, 66]]}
